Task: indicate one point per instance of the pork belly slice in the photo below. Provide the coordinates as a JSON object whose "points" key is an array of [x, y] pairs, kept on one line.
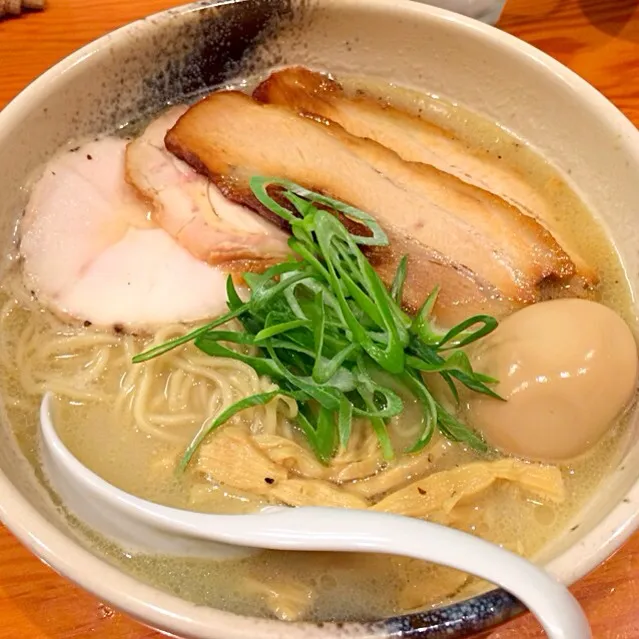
{"points": [[193, 211], [461, 294], [415, 140], [229, 137]]}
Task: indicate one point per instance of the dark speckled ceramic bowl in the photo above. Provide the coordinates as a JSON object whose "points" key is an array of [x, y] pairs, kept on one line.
{"points": [[184, 51]]}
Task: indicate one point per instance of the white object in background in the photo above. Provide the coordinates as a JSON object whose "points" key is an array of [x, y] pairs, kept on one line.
{"points": [[485, 10], [136, 522]]}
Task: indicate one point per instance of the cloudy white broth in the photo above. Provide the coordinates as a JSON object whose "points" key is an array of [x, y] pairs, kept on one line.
{"points": [[126, 244]]}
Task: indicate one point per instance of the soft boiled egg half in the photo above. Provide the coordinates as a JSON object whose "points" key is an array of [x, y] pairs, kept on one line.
{"points": [[566, 368]]}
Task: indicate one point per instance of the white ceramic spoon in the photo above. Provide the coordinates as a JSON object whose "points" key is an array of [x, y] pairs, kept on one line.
{"points": [[148, 527]]}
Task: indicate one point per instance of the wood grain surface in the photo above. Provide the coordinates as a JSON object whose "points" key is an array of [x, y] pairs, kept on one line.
{"points": [[599, 39]]}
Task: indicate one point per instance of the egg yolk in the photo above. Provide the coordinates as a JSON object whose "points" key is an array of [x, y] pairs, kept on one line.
{"points": [[566, 368]]}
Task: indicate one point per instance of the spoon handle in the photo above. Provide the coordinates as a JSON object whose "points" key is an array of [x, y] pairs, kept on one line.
{"points": [[333, 529]]}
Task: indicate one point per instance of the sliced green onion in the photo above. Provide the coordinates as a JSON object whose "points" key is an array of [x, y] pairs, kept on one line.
{"points": [[324, 329]]}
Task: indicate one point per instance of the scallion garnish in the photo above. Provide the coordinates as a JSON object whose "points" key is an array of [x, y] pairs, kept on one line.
{"points": [[324, 327]]}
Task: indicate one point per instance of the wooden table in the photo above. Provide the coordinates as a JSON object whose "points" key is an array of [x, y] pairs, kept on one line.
{"points": [[599, 39]]}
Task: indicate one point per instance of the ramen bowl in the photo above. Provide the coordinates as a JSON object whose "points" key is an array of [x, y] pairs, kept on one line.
{"points": [[182, 52]]}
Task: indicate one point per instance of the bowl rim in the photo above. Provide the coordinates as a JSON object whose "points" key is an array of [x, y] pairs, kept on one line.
{"points": [[151, 606]]}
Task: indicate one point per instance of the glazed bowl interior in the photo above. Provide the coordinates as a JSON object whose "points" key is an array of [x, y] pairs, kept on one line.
{"points": [[181, 52]]}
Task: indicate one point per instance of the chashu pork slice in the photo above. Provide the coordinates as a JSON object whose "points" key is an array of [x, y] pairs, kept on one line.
{"points": [[414, 139], [443, 228], [89, 252], [193, 211]]}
